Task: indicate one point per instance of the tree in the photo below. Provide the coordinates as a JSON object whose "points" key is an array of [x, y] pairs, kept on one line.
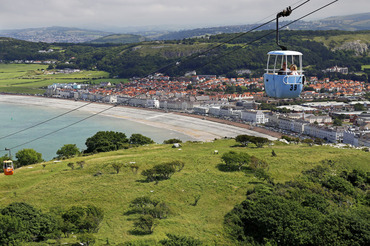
{"points": [[25, 223], [308, 141], [139, 139], [12, 231], [67, 151], [243, 139], [83, 219], [71, 165], [319, 141], [28, 157], [232, 158], [159, 172], [359, 107], [172, 141], [259, 142], [145, 224], [337, 122], [105, 141], [117, 167]]}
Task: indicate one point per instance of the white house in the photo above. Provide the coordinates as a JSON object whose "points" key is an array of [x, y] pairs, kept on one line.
{"points": [[254, 116]]}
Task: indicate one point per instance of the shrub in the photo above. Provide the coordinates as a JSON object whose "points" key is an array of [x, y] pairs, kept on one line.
{"points": [[232, 158], [159, 172], [172, 141], [145, 224]]}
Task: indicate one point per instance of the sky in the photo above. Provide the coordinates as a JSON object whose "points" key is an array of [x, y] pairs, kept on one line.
{"points": [[110, 14]]}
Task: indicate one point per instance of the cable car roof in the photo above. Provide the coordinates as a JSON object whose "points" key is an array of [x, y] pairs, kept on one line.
{"points": [[285, 53]]}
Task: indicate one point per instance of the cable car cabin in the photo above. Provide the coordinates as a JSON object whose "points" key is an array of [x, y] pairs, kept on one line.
{"points": [[8, 167], [284, 76]]}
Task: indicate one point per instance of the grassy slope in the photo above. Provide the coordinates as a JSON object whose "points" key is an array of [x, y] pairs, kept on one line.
{"points": [[28, 78], [58, 185], [344, 38]]}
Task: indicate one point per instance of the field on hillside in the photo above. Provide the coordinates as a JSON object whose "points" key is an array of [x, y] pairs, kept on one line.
{"points": [[338, 40], [30, 78], [57, 185]]}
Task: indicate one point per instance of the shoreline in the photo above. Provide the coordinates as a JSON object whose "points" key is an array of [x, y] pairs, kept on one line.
{"points": [[201, 128]]}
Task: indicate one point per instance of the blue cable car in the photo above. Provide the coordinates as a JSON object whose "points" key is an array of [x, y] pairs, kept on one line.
{"points": [[283, 79], [284, 75]]}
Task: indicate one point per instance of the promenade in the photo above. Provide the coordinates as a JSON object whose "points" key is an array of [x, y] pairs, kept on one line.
{"points": [[199, 128]]}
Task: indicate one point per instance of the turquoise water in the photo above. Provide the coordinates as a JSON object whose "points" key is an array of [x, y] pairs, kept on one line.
{"points": [[14, 118]]}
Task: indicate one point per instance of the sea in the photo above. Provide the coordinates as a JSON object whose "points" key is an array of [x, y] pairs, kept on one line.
{"points": [[21, 128]]}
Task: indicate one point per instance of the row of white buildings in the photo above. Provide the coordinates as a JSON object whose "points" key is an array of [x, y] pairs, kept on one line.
{"points": [[300, 123]]}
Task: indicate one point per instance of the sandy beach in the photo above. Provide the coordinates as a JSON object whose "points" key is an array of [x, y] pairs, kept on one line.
{"points": [[195, 127]]}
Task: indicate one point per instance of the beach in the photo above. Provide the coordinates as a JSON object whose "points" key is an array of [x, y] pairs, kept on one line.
{"points": [[199, 128]]}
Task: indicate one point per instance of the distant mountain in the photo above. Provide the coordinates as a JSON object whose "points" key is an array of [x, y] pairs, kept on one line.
{"points": [[356, 22], [54, 34], [75, 35], [347, 23], [120, 39]]}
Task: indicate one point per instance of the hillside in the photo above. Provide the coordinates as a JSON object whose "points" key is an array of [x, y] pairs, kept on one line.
{"points": [[356, 22], [203, 177], [54, 34], [221, 54], [119, 39]]}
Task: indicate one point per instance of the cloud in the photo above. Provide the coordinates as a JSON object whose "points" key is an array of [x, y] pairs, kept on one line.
{"points": [[36, 13]]}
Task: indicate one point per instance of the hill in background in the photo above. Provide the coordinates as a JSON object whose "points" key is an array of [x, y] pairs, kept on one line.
{"points": [[75, 35], [356, 22], [54, 34], [120, 39]]}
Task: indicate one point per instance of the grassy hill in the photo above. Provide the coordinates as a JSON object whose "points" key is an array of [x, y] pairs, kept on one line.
{"points": [[119, 39], [57, 185], [54, 34]]}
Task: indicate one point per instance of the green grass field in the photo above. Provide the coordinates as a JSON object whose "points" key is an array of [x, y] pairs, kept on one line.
{"points": [[338, 40], [30, 78], [57, 185]]}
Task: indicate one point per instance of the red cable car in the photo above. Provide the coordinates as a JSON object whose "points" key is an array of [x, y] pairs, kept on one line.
{"points": [[8, 167]]}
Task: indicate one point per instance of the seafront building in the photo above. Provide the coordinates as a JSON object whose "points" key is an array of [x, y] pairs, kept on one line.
{"points": [[211, 96]]}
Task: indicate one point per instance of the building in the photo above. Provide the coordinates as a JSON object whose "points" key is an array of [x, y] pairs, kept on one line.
{"points": [[357, 138], [331, 135], [254, 116]]}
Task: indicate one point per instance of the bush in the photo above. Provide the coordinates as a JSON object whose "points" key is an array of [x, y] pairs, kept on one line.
{"points": [[20, 222], [172, 141], [67, 151], [82, 219], [28, 157], [159, 172], [232, 158], [105, 141], [138, 139], [145, 224]]}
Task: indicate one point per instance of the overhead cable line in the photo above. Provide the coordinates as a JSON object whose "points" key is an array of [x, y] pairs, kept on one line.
{"points": [[187, 58], [161, 69], [269, 33], [166, 68], [90, 116], [45, 121]]}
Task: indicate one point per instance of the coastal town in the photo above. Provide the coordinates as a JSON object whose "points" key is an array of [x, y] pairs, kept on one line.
{"points": [[333, 111]]}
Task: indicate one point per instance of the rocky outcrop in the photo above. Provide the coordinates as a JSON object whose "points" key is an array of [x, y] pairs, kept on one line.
{"points": [[358, 47]]}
